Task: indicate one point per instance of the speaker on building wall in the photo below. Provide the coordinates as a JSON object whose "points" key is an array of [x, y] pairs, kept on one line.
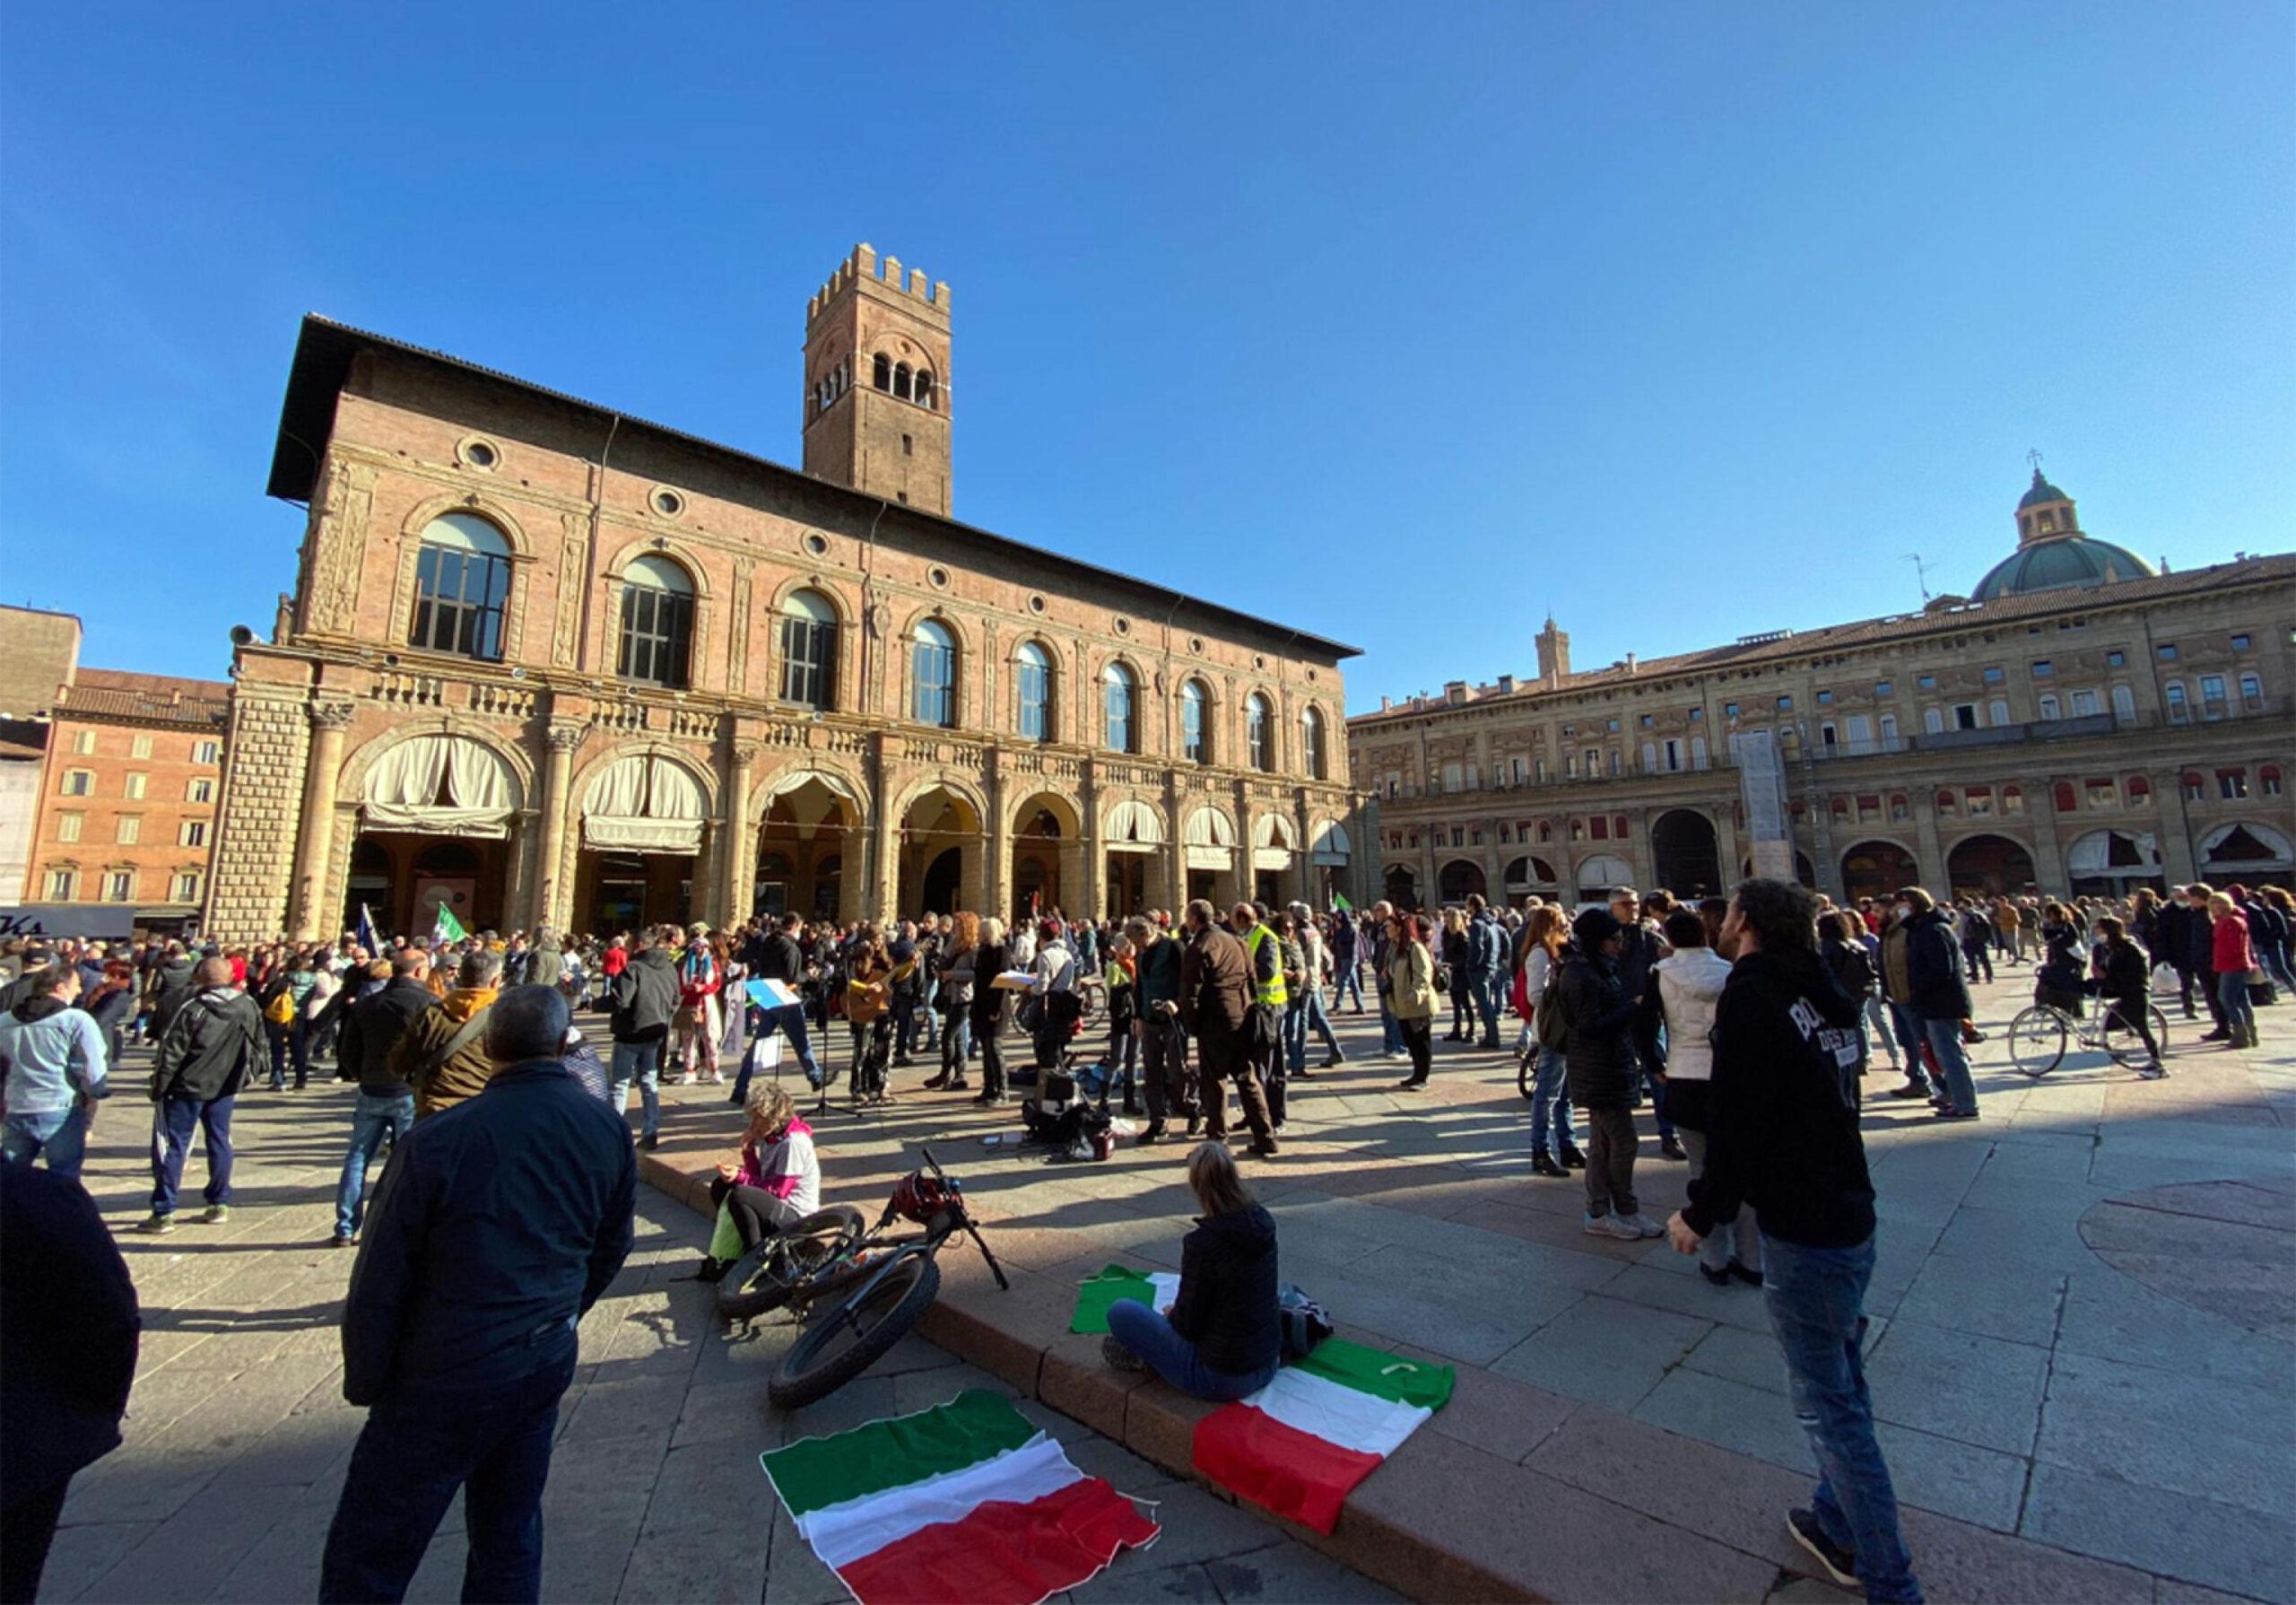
{"points": [[241, 636], [518, 673]]}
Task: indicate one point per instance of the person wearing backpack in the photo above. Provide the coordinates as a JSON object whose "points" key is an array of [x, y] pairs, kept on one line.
{"points": [[1783, 1139], [1846, 959], [442, 1053]]}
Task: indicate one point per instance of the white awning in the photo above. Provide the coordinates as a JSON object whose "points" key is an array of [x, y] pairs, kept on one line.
{"points": [[1271, 842], [2099, 855], [1209, 840], [643, 804], [1602, 872], [2231, 851], [1132, 826], [1330, 842], [406, 783]]}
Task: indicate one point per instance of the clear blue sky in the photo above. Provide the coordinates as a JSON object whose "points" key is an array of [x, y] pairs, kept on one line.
{"points": [[1399, 324]]}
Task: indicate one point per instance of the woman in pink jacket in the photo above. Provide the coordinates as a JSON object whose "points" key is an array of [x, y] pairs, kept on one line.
{"points": [[2232, 959], [778, 1181]]}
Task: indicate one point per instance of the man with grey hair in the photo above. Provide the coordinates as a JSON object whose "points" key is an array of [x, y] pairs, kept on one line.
{"points": [[440, 1054], [497, 1225]]}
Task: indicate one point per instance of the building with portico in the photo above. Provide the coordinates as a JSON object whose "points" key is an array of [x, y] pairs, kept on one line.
{"points": [[546, 663]]}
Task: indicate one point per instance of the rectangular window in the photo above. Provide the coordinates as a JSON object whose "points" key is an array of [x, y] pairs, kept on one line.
{"points": [[79, 782], [2232, 784], [2043, 669], [201, 791], [134, 791], [1965, 716], [1994, 675], [2103, 794], [140, 747], [2048, 705], [62, 884], [1646, 722], [206, 751], [1889, 731], [2239, 643], [809, 658], [1980, 801], [1928, 682], [68, 826], [2012, 800], [458, 598], [2115, 659], [193, 833], [1729, 709], [2168, 650], [1998, 712], [2085, 704], [1933, 721], [1454, 777], [1785, 705], [185, 888], [2179, 709], [1884, 688], [657, 635], [2271, 782], [2252, 693], [128, 829], [119, 886], [1825, 699], [1570, 767], [83, 743], [1829, 737]]}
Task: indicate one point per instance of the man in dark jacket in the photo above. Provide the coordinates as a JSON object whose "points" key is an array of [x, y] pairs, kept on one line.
{"points": [[1486, 964], [2200, 957], [2170, 929], [1941, 997], [1638, 950], [1214, 1003], [1977, 939], [205, 1055], [644, 1002], [69, 1333], [1163, 1040], [1599, 1014], [170, 987], [497, 1224], [386, 1108], [777, 956], [1783, 1139]]}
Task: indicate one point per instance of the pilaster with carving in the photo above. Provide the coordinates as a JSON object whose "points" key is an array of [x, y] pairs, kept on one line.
{"points": [[737, 632], [573, 565], [339, 536]]}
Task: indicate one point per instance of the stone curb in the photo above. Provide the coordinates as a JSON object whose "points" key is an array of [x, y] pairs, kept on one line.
{"points": [[1159, 1425]]}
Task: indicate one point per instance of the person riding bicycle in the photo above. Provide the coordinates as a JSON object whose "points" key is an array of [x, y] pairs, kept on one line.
{"points": [[2059, 983], [2123, 981], [777, 1180]]}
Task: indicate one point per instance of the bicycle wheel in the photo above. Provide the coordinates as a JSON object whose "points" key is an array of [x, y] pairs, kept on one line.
{"points": [[2037, 1040], [850, 1339], [764, 1278], [2126, 1048], [1526, 1074]]}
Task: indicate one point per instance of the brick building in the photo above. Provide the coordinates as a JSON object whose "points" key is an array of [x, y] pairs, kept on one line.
{"points": [[2079, 723], [128, 800], [547, 663]]}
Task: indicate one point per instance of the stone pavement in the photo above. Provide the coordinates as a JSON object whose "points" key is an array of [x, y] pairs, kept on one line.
{"points": [[2079, 1357], [238, 1439]]}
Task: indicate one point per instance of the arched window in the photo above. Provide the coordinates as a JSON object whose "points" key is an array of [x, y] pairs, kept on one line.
{"points": [[1311, 743], [1196, 734], [934, 673], [925, 393], [1032, 685], [882, 372], [809, 650], [1259, 733], [1117, 688], [461, 580], [657, 623], [901, 381]]}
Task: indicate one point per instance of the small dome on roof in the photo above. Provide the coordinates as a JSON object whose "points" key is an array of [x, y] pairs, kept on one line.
{"points": [[2042, 491], [2058, 564]]}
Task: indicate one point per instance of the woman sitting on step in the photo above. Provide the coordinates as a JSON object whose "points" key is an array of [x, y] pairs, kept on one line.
{"points": [[1221, 1340], [778, 1181]]}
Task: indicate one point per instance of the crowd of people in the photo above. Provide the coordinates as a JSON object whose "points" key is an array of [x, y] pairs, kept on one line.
{"points": [[1746, 1026]]}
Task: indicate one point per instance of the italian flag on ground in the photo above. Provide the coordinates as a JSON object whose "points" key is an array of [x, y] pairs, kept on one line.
{"points": [[963, 1502], [1299, 1444]]}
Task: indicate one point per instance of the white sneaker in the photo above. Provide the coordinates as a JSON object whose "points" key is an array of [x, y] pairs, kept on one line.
{"points": [[2154, 1071], [1644, 1225], [1611, 1225]]}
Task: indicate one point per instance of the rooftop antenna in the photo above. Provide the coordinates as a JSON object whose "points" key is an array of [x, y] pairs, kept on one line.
{"points": [[1920, 573]]}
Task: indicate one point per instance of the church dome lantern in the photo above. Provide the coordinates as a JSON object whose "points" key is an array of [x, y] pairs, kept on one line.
{"points": [[2052, 553]]}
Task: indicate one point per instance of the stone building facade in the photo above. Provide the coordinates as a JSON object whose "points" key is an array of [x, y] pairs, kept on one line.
{"points": [[130, 795], [2087, 725], [544, 663]]}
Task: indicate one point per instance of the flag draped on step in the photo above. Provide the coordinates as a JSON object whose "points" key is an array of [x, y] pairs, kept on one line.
{"points": [[965, 1501], [1154, 1288], [1302, 1443]]}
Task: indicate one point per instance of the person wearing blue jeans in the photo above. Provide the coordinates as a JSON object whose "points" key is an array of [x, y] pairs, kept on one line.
{"points": [[209, 1050], [59, 1136], [1550, 1138], [790, 1020], [174, 1119], [1221, 1340], [640, 1062], [1944, 1039], [56, 1061], [373, 1120], [1783, 1139], [1306, 1013], [646, 997], [1937, 996], [1907, 1025]]}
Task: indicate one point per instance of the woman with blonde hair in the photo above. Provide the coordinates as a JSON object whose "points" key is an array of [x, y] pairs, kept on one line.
{"points": [[1220, 1339], [1553, 1152], [776, 1179], [1457, 951], [986, 1013], [958, 967], [2231, 957]]}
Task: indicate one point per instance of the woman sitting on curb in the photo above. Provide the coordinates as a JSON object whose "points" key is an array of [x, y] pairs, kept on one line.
{"points": [[1222, 1340], [778, 1181]]}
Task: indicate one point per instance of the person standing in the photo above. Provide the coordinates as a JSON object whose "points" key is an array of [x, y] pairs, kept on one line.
{"points": [[1599, 1014], [2200, 957], [1977, 940], [1939, 998], [645, 1000], [1407, 994], [1553, 1153], [1308, 1012], [56, 1064], [1346, 976], [957, 962], [1383, 914], [2231, 958], [441, 1053], [1684, 989], [69, 1330], [386, 1108], [1271, 1000], [497, 1224], [985, 1015], [2123, 981], [1638, 949], [1163, 1041], [1486, 960], [1215, 1002], [213, 1045], [1784, 1140], [778, 957]]}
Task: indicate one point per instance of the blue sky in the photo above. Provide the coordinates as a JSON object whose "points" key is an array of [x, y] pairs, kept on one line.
{"points": [[1404, 324]]}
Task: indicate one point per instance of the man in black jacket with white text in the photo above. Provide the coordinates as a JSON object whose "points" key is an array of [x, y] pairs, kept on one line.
{"points": [[1782, 1136]]}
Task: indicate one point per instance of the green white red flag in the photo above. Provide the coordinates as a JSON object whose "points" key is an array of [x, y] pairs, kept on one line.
{"points": [[967, 1501]]}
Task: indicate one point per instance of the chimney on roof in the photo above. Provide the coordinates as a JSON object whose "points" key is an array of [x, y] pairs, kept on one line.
{"points": [[1454, 691], [1506, 685], [1630, 663], [1386, 703]]}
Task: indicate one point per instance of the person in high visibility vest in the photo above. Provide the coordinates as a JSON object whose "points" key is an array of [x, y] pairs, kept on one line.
{"points": [[1271, 997]]}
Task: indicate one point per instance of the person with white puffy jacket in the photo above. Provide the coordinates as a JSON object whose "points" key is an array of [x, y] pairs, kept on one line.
{"points": [[1682, 993]]}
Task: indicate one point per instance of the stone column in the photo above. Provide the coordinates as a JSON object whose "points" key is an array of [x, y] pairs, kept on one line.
{"points": [[997, 843], [316, 837], [550, 899], [1929, 842], [882, 890], [736, 848]]}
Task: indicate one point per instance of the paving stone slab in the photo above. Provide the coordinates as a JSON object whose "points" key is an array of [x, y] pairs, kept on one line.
{"points": [[2191, 1539], [1604, 1351]]}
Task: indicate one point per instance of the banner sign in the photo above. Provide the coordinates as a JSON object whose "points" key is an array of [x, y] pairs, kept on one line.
{"points": [[87, 921]]}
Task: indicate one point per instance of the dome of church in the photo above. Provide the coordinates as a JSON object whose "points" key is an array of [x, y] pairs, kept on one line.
{"points": [[2074, 560], [2042, 491]]}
